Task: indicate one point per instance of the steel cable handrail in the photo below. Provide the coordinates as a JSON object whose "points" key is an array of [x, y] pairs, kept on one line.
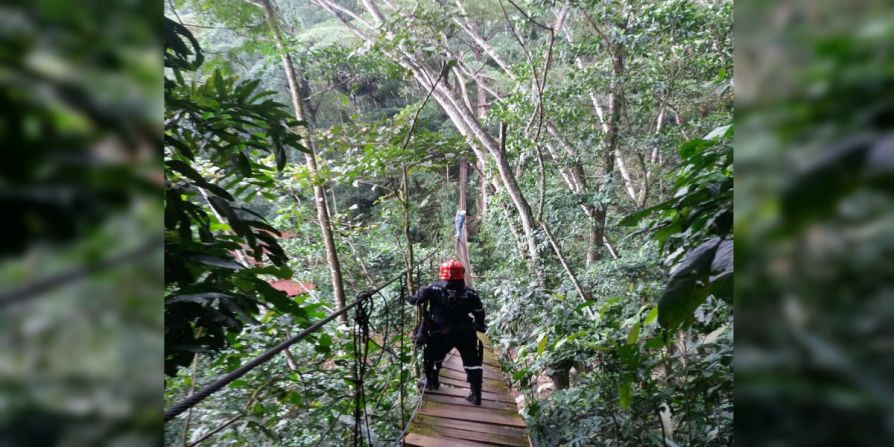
{"points": [[193, 399]]}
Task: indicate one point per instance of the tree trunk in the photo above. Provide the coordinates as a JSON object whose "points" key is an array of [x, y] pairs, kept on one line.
{"points": [[573, 176], [310, 158], [555, 244], [405, 202], [464, 121], [469, 127], [481, 209], [462, 242], [517, 235], [524, 210], [611, 141], [597, 234], [610, 149]]}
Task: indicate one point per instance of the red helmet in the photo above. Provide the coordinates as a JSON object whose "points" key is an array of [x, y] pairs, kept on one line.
{"points": [[452, 270]]}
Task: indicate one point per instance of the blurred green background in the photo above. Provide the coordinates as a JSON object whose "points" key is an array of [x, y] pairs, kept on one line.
{"points": [[81, 257], [80, 121], [814, 226]]}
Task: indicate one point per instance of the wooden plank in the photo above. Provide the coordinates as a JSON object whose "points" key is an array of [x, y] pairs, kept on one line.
{"points": [[492, 383], [487, 372], [417, 440], [446, 419], [485, 395], [457, 400], [490, 372], [466, 435], [483, 415], [461, 383], [458, 360], [490, 361], [488, 355], [485, 340], [471, 426]]}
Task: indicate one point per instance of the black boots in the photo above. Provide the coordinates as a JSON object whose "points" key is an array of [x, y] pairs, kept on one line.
{"points": [[474, 395], [432, 383]]}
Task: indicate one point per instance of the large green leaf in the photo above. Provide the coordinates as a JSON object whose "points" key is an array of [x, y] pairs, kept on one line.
{"points": [[236, 223], [633, 335], [198, 297], [229, 128], [544, 340], [624, 393], [720, 133], [688, 287], [217, 261], [245, 89], [815, 191], [324, 344], [280, 300], [635, 218], [722, 271]]}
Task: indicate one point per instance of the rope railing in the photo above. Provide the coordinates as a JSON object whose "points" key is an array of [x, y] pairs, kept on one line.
{"points": [[363, 307]]}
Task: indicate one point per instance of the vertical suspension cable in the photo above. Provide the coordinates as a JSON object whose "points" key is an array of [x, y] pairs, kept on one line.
{"points": [[403, 295], [355, 376], [361, 343], [366, 341]]}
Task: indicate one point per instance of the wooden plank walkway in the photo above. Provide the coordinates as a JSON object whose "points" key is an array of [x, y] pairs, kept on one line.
{"points": [[446, 419]]}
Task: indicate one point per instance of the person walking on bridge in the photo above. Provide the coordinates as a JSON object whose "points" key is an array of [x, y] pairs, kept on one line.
{"points": [[454, 314]]}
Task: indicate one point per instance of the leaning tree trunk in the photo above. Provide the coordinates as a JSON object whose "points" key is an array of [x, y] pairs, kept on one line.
{"points": [[573, 176], [469, 126], [481, 208], [405, 205], [462, 240], [463, 119], [616, 100], [319, 192]]}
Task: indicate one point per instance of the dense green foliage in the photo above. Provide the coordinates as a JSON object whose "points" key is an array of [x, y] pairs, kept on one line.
{"points": [[81, 257], [602, 248], [814, 234], [623, 359], [207, 292]]}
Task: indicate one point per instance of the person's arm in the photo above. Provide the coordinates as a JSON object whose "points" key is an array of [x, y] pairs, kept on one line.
{"points": [[477, 311], [419, 297]]}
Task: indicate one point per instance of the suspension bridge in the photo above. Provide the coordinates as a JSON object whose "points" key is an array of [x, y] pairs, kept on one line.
{"points": [[445, 418], [441, 418]]}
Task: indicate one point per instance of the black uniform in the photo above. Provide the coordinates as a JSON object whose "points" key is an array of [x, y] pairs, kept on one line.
{"points": [[456, 312]]}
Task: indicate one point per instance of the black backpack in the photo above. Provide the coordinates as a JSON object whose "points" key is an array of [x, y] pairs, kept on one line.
{"points": [[423, 329]]}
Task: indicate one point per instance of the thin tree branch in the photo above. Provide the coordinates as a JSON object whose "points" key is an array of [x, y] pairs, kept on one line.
{"points": [[339, 12], [231, 28], [192, 389], [466, 26], [444, 71], [531, 62], [558, 250], [220, 427], [529, 17], [24, 292], [332, 87], [542, 181], [254, 396], [174, 10]]}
